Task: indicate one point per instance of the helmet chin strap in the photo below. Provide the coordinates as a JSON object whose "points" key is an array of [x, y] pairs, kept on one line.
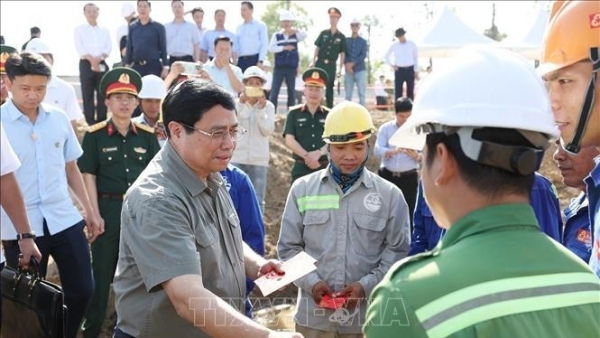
{"points": [[574, 146]]}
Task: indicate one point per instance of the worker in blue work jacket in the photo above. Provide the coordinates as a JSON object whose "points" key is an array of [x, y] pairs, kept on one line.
{"points": [[543, 198]]}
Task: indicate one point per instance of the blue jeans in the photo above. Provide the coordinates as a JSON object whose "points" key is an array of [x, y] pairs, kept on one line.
{"points": [[280, 74], [71, 252], [258, 176], [360, 78]]}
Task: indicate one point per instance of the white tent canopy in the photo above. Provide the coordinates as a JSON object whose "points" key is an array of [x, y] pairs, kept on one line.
{"points": [[530, 44], [447, 35]]}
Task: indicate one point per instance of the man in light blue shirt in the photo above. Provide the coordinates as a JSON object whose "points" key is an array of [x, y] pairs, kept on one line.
{"points": [[47, 147], [221, 71], [252, 38], [399, 165], [356, 71], [207, 50], [183, 37]]}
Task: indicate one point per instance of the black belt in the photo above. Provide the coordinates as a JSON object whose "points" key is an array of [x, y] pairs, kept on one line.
{"points": [[407, 67], [180, 57], [142, 62], [400, 173], [248, 56], [108, 196]]}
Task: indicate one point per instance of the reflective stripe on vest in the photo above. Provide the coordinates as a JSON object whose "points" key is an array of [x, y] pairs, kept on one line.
{"points": [[318, 202], [478, 303]]}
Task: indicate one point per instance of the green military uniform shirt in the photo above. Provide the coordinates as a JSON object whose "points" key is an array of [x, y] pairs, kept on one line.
{"points": [[330, 46], [308, 131], [494, 274], [114, 159]]}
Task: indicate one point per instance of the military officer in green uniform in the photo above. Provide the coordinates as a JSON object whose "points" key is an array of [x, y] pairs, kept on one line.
{"points": [[115, 152], [5, 52], [330, 43], [304, 126]]}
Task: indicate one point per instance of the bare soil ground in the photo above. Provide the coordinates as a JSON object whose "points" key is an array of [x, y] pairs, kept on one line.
{"points": [[273, 311]]}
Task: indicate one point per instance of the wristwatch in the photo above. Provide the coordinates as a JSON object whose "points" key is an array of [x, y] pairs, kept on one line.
{"points": [[26, 235]]}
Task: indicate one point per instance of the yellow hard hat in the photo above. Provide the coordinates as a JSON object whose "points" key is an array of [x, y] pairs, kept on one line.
{"points": [[573, 30], [348, 122]]}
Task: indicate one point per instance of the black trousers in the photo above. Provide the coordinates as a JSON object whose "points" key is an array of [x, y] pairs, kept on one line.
{"points": [[147, 67], [173, 59], [90, 81], [408, 184], [246, 61], [405, 74], [381, 102]]}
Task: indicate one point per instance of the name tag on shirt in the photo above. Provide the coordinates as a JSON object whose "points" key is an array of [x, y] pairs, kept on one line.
{"points": [[108, 150]]}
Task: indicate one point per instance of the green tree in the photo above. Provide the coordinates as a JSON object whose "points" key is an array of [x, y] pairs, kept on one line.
{"points": [[370, 22], [493, 32], [271, 19]]}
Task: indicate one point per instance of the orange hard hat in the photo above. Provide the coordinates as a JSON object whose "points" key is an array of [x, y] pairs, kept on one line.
{"points": [[573, 30]]}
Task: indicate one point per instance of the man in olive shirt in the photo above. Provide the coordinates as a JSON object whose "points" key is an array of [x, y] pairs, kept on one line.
{"points": [[182, 263], [304, 126], [330, 43], [115, 152], [494, 274]]}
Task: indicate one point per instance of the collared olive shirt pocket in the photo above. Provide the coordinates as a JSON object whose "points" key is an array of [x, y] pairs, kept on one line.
{"points": [[367, 234]]}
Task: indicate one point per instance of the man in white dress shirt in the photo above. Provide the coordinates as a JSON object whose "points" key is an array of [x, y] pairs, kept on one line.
{"points": [[93, 45], [59, 92], [405, 62]]}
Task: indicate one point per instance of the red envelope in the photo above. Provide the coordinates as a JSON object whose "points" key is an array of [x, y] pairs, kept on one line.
{"points": [[333, 303]]}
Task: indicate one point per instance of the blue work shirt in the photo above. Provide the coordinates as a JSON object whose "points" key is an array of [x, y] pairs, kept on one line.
{"points": [[44, 148], [356, 51], [247, 206], [578, 233], [252, 38], [209, 37], [593, 193], [543, 199], [426, 233], [146, 42]]}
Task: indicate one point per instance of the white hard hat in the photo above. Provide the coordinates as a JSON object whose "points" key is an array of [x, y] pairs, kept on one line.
{"points": [[127, 8], [37, 45], [255, 71], [355, 20], [484, 87], [153, 87], [286, 16]]}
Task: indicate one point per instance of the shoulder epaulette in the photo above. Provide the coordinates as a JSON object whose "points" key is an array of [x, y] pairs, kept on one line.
{"points": [[298, 106], [144, 127], [97, 126], [326, 109]]}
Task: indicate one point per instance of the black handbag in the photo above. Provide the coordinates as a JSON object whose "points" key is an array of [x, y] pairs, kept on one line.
{"points": [[31, 306]]}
